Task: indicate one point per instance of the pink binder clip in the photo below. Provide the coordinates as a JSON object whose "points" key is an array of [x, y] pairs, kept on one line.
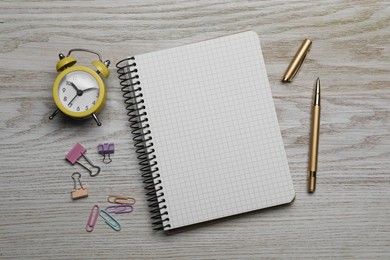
{"points": [[106, 149], [76, 153]]}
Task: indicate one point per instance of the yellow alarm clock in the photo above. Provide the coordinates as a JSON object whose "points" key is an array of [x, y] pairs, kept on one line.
{"points": [[79, 91]]}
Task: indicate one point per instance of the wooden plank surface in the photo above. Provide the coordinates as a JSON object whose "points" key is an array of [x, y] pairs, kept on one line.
{"points": [[347, 217]]}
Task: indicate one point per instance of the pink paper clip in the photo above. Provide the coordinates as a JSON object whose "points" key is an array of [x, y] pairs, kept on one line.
{"points": [[76, 153], [92, 219], [106, 149], [120, 209]]}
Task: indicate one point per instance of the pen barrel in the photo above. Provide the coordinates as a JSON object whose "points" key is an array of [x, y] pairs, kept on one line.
{"points": [[315, 132]]}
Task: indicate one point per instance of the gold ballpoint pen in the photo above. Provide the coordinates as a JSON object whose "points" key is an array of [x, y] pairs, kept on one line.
{"points": [[315, 132]]}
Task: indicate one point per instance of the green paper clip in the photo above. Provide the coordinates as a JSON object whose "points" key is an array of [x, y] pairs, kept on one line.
{"points": [[113, 223]]}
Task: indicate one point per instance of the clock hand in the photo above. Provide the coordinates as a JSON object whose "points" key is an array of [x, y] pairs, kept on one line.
{"points": [[79, 93], [73, 85], [72, 100], [89, 89]]}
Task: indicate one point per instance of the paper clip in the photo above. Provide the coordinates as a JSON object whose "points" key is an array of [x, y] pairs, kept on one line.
{"points": [[120, 209], [113, 223], [92, 218], [75, 154], [106, 149], [78, 193], [117, 199]]}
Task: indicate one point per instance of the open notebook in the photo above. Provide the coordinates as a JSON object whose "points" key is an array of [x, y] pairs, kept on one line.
{"points": [[206, 131]]}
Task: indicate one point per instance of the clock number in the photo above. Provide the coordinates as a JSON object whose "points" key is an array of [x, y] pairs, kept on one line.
{"points": [[94, 102], [78, 108], [65, 98], [70, 105], [86, 107], [64, 89]]}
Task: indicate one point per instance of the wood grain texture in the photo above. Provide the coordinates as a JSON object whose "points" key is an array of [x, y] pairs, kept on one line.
{"points": [[347, 217]]}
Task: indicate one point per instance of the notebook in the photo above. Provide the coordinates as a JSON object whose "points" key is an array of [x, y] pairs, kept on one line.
{"points": [[206, 131]]}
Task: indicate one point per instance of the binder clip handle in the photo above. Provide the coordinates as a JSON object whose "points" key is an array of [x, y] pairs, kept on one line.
{"points": [[107, 159], [92, 166], [78, 178]]}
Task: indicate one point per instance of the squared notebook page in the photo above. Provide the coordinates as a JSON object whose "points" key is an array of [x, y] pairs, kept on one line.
{"points": [[215, 131]]}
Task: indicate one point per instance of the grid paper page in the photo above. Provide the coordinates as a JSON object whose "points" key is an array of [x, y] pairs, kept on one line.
{"points": [[214, 128]]}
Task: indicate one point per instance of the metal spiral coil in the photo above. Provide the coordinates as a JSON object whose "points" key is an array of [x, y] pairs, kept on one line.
{"points": [[132, 93]]}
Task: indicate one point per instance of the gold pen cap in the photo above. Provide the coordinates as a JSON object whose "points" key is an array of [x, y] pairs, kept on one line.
{"points": [[296, 63]]}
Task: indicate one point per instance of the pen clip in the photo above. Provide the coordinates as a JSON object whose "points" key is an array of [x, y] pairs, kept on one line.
{"points": [[299, 64], [297, 61]]}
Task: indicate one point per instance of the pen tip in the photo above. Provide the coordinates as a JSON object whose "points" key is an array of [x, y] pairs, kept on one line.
{"points": [[285, 79], [318, 85]]}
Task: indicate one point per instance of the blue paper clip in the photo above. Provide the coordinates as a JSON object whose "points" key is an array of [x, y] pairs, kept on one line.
{"points": [[113, 223]]}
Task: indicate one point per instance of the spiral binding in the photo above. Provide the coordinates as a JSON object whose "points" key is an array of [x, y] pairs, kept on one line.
{"points": [[129, 80]]}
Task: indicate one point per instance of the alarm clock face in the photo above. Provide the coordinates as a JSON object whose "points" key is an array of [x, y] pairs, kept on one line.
{"points": [[78, 91]]}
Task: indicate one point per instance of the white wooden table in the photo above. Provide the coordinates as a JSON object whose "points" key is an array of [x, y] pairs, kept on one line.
{"points": [[347, 217]]}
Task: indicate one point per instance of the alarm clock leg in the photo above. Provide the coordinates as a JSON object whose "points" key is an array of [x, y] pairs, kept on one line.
{"points": [[54, 114], [96, 119]]}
